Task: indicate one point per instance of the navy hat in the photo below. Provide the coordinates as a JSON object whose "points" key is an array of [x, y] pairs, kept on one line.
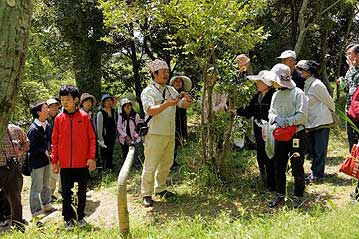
{"points": [[106, 96]]}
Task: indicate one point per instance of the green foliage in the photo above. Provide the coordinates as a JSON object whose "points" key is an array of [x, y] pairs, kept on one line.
{"points": [[225, 25]]}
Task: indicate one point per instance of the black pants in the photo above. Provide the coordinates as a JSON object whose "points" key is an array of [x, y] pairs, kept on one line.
{"points": [[107, 155], [5, 209], [265, 164], [353, 136], [11, 182], [68, 177], [284, 150]]}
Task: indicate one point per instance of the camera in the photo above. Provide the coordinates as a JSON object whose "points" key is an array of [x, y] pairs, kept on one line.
{"points": [[11, 162], [181, 95]]}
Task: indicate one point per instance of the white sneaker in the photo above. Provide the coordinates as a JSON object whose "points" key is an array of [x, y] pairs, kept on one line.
{"points": [[82, 223], [48, 208]]}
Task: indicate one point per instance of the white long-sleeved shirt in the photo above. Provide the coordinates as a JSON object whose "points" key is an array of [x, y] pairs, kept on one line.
{"points": [[320, 103]]}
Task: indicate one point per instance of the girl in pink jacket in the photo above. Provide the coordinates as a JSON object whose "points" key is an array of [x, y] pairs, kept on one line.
{"points": [[126, 124]]}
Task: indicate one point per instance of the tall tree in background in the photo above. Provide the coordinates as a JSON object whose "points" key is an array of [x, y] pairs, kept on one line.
{"points": [[81, 25], [15, 24]]}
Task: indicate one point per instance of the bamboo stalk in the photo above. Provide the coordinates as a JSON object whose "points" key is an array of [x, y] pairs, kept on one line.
{"points": [[123, 219]]}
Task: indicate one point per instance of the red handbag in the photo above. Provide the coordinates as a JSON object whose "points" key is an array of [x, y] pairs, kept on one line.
{"points": [[350, 166], [284, 134]]}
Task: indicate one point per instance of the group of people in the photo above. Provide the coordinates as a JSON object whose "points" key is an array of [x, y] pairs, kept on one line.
{"points": [[62, 141], [291, 105]]}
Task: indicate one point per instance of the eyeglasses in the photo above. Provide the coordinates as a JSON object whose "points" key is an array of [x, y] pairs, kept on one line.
{"points": [[285, 77]]}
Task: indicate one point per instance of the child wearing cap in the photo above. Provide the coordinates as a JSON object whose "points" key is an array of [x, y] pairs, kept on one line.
{"points": [[288, 107], [126, 124], [258, 109]]}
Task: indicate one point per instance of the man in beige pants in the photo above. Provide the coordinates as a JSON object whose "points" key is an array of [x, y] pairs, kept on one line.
{"points": [[159, 101]]}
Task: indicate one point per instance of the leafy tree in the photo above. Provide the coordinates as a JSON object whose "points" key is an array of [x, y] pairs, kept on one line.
{"points": [[213, 33], [81, 25]]}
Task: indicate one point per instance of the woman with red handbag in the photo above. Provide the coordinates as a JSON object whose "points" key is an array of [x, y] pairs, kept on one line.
{"points": [[288, 111]]}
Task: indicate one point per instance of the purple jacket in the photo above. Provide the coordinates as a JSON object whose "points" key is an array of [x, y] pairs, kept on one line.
{"points": [[121, 127]]}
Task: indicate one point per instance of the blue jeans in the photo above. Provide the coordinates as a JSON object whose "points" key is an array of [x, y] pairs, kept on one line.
{"points": [[319, 139], [40, 188]]}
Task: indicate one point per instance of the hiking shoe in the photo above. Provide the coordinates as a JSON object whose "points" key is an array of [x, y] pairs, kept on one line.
{"points": [[165, 194], [82, 223], [38, 213], [70, 225], [48, 208], [277, 200], [297, 202], [147, 201]]}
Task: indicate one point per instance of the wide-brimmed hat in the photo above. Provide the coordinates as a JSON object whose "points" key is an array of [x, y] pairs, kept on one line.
{"points": [[86, 96], [158, 65], [287, 54], [52, 101], [187, 83], [283, 76], [309, 66], [125, 101], [266, 76], [242, 59]]}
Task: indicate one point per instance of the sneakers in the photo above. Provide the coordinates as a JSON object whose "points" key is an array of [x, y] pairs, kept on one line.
{"points": [[312, 179], [165, 194], [70, 225], [82, 223], [277, 200], [48, 208], [147, 201], [38, 213]]}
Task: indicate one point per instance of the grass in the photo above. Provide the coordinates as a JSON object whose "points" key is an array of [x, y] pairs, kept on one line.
{"points": [[236, 209]]}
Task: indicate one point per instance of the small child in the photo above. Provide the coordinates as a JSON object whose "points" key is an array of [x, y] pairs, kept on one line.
{"points": [[126, 124], [73, 150]]}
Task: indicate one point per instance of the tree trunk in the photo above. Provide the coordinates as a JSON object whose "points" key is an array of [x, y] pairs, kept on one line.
{"points": [[136, 71], [81, 25], [324, 54], [350, 19], [87, 66], [302, 27], [15, 24]]}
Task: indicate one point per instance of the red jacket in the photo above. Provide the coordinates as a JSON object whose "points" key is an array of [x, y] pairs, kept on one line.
{"points": [[73, 140]]}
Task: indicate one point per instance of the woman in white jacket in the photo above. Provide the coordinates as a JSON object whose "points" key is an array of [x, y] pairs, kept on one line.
{"points": [[320, 106]]}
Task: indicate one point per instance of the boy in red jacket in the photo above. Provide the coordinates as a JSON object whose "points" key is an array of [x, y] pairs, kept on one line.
{"points": [[73, 150]]}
